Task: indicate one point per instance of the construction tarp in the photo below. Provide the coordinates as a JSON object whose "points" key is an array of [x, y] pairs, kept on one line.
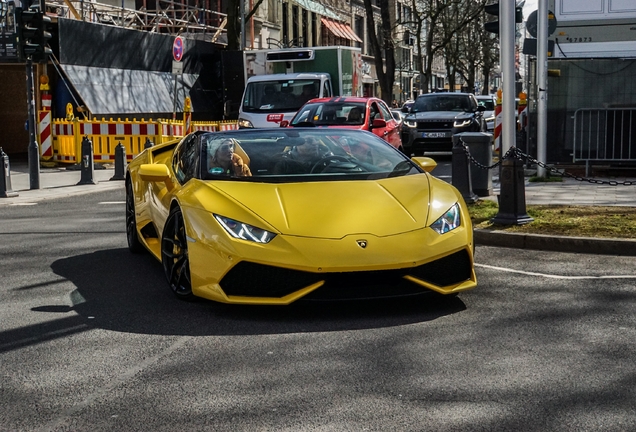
{"points": [[122, 91]]}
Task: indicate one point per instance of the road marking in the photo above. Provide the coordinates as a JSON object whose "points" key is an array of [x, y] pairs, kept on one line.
{"points": [[112, 202], [549, 276]]}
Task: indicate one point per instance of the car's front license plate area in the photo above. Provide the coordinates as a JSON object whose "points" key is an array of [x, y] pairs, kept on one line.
{"points": [[435, 135]]}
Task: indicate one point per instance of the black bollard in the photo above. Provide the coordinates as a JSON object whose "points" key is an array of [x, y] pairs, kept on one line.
{"points": [[480, 148], [148, 143], [461, 172], [512, 196], [5, 178], [120, 163], [87, 165]]}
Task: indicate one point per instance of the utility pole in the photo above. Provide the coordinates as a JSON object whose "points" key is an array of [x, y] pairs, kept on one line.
{"points": [[509, 14], [507, 59], [33, 37], [542, 90], [34, 149]]}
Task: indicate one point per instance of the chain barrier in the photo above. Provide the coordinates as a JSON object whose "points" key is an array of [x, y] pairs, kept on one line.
{"points": [[529, 159]]}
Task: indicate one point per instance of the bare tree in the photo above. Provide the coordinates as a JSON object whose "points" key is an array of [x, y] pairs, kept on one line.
{"points": [[234, 22], [463, 55], [382, 45], [432, 19]]}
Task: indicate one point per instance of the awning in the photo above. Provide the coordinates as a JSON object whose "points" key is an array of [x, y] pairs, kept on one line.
{"points": [[340, 30], [124, 91], [317, 7]]}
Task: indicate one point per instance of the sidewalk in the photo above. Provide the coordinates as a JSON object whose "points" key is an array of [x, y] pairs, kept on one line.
{"points": [[56, 182], [59, 182]]}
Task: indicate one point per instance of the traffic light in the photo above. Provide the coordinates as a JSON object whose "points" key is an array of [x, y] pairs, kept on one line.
{"points": [[493, 9], [33, 33]]}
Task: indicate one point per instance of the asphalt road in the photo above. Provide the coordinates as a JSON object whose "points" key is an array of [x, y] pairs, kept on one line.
{"points": [[92, 339]]}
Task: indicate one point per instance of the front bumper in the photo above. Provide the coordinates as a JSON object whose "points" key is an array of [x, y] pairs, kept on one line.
{"points": [[293, 268]]}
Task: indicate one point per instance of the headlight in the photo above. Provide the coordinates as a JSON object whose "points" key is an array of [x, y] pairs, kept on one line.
{"points": [[410, 123], [244, 231], [461, 123], [448, 221], [242, 123], [489, 119]]}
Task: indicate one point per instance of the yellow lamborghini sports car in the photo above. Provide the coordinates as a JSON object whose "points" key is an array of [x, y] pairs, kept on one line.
{"points": [[271, 216]]}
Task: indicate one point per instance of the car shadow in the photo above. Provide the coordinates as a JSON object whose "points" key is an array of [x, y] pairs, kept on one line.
{"points": [[120, 291]]}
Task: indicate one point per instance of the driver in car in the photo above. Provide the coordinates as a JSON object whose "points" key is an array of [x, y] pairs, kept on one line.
{"points": [[300, 159]]}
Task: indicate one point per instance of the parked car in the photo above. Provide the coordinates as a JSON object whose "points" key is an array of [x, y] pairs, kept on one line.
{"points": [[362, 220], [406, 106], [370, 114], [435, 117], [398, 115], [488, 102]]}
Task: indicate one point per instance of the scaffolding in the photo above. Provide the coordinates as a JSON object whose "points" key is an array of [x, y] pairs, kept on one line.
{"points": [[198, 18]]}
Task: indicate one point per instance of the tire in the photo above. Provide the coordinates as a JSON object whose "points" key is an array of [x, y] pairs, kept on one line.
{"points": [[134, 245], [174, 255]]}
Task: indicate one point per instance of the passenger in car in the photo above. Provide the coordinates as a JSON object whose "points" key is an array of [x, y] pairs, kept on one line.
{"points": [[269, 95], [300, 159], [309, 92], [223, 159], [355, 116]]}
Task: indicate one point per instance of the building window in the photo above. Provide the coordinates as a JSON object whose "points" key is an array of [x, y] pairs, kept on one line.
{"points": [[295, 25], [359, 29], [305, 40], [271, 10], [285, 23]]}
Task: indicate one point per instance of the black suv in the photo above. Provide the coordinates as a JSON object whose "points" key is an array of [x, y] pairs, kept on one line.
{"points": [[435, 117]]}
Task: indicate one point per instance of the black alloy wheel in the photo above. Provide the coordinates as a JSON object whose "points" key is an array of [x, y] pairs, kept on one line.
{"points": [[174, 255], [134, 245]]}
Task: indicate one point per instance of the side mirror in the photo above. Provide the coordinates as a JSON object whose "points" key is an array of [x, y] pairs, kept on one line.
{"points": [[426, 163], [284, 123], [405, 109], [481, 108], [156, 173], [378, 123]]}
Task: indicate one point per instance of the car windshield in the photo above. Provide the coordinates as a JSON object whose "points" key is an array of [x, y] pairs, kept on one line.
{"points": [[331, 114], [300, 154], [442, 102], [279, 95], [489, 104]]}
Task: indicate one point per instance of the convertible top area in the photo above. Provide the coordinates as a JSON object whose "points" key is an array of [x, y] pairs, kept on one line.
{"points": [[340, 152]]}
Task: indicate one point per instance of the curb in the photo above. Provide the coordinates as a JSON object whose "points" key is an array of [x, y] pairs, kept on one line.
{"points": [[30, 196], [597, 246]]}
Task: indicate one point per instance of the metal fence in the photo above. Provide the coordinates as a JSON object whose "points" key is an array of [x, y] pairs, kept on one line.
{"points": [[604, 135]]}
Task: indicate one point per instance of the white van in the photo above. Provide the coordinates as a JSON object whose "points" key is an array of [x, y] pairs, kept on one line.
{"points": [[270, 99]]}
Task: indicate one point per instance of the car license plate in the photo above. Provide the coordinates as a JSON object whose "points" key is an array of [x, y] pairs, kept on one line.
{"points": [[434, 135]]}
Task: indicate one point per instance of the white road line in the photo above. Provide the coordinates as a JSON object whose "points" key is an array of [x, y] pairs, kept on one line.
{"points": [[112, 202], [549, 276]]}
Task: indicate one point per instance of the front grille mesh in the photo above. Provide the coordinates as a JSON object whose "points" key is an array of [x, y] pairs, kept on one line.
{"points": [[434, 125], [257, 280]]}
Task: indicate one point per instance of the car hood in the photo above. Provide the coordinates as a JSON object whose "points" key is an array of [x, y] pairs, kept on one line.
{"points": [[439, 115], [327, 209]]}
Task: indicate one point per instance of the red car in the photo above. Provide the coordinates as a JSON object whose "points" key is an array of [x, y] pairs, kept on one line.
{"points": [[369, 114]]}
